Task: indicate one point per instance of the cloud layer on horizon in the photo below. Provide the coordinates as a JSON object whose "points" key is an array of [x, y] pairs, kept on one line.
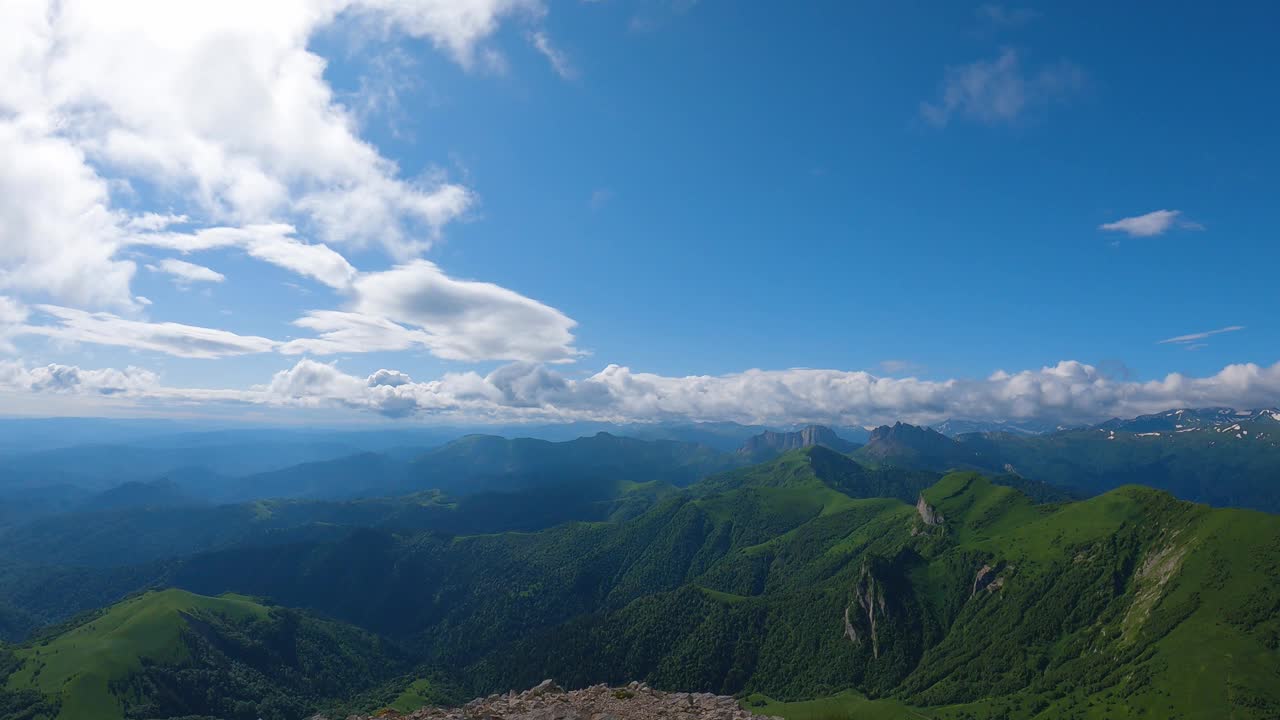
{"points": [[1069, 391]]}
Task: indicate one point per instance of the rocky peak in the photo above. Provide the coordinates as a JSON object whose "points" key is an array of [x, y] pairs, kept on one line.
{"points": [[548, 701], [913, 435], [772, 442]]}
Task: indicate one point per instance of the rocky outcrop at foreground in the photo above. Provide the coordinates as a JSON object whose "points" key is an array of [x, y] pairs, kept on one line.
{"points": [[549, 701]]}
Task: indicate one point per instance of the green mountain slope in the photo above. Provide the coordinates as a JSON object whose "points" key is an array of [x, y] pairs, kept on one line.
{"points": [[974, 603], [173, 653]]}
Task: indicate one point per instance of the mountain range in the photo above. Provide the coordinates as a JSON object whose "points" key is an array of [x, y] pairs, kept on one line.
{"points": [[989, 575], [797, 578]]}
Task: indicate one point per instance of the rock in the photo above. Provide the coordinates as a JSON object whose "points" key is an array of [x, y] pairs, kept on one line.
{"points": [[548, 701], [984, 577], [928, 515], [545, 687]]}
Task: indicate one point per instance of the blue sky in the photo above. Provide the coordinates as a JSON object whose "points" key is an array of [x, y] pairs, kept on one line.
{"points": [[903, 198]]}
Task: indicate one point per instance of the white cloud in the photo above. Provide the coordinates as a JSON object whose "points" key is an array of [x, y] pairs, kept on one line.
{"points": [[273, 243], [1152, 224], [220, 109], [12, 315], [345, 332], [1193, 337], [1069, 391], [454, 26], [12, 312], [1000, 90], [415, 305], [187, 341], [58, 233], [559, 61], [70, 379], [151, 222], [185, 273], [457, 319], [1066, 392]]}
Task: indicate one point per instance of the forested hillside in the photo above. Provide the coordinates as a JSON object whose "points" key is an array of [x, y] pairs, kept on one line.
{"points": [[782, 584], [804, 577]]}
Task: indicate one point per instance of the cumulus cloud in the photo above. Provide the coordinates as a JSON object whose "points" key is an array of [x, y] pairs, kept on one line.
{"points": [[146, 124], [454, 26], [1000, 91], [455, 319], [1069, 391], [70, 379], [100, 328], [225, 107], [1154, 223], [58, 233], [185, 273], [1066, 392]]}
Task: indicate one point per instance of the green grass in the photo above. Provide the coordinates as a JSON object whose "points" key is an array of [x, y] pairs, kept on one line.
{"points": [[848, 705], [77, 666], [418, 694]]}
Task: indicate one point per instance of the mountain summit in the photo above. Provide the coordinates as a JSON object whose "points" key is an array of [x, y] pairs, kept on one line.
{"points": [[770, 443], [912, 446]]}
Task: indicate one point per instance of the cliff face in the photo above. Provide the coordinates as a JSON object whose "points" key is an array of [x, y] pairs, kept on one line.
{"points": [[928, 514], [770, 443], [868, 595], [548, 701]]}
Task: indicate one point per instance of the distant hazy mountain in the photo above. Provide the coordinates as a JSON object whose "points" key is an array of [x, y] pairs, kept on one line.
{"points": [[476, 484], [1189, 420], [1218, 456], [957, 426], [911, 446], [100, 467], [726, 436], [769, 443], [487, 463], [139, 494], [362, 475], [1233, 464]]}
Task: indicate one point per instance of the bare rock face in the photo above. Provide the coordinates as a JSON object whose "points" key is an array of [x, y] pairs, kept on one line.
{"points": [[548, 701], [990, 579], [986, 575], [928, 515], [770, 442], [868, 603]]}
